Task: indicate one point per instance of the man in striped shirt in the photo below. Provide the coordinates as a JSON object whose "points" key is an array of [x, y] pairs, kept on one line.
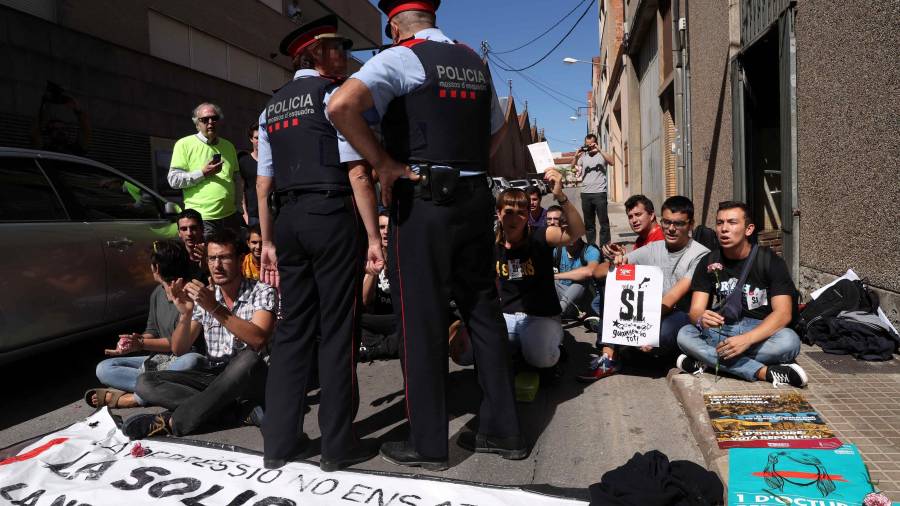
{"points": [[237, 317]]}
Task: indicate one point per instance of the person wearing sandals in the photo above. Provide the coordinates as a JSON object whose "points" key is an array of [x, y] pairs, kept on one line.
{"points": [[168, 261]]}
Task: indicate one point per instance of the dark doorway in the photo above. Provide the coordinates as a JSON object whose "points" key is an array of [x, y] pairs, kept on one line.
{"points": [[762, 137]]}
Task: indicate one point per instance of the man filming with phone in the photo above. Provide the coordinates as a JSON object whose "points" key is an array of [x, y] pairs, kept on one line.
{"points": [[205, 167], [591, 164]]}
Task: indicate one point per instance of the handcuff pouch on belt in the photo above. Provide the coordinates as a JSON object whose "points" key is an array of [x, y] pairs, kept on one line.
{"points": [[437, 183]]}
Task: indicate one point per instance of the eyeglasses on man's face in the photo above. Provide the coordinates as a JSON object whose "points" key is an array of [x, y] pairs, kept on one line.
{"points": [[672, 223], [206, 119]]}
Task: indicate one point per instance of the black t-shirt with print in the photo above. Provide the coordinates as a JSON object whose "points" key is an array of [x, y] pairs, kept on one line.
{"points": [[526, 276], [381, 303], [768, 277]]}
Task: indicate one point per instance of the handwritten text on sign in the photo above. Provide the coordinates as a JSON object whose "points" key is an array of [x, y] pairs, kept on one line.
{"points": [[632, 306]]}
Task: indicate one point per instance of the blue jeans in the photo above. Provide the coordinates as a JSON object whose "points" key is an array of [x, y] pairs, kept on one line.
{"points": [[782, 347], [538, 337], [122, 372]]}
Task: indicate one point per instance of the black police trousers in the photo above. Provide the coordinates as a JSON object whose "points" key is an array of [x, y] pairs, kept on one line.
{"points": [[319, 240], [436, 252]]}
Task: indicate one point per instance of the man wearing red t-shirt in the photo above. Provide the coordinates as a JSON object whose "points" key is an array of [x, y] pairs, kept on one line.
{"points": [[642, 219]]}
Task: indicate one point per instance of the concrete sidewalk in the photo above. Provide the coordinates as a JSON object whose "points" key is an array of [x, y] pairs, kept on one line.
{"points": [[858, 400]]}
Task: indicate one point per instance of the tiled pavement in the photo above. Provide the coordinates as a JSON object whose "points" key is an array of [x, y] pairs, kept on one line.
{"points": [[859, 400]]}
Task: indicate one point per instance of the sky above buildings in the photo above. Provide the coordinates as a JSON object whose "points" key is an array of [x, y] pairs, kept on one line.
{"points": [[553, 89]]}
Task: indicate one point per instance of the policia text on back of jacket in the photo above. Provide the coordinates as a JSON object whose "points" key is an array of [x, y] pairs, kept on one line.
{"points": [[438, 112]]}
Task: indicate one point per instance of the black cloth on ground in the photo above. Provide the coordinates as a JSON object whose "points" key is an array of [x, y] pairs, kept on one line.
{"points": [[651, 480]]}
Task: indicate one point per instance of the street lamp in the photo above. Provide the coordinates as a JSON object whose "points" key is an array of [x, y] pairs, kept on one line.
{"points": [[569, 60], [577, 113]]}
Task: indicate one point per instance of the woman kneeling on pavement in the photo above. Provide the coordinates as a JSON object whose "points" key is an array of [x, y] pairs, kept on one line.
{"points": [[524, 262]]}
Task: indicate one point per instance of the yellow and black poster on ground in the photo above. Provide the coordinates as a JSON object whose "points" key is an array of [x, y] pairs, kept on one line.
{"points": [[767, 420]]}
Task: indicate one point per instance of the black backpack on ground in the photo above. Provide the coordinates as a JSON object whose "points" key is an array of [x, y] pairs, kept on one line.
{"points": [[845, 295]]}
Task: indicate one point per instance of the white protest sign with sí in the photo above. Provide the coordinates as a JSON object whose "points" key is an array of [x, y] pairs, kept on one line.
{"points": [[542, 156], [92, 462], [632, 306]]}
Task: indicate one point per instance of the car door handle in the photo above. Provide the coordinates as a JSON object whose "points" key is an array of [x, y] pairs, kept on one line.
{"points": [[121, 244]]}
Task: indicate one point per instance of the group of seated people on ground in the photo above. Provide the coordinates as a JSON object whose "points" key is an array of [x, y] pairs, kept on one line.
{"points": [[707, 321], [203, 353]]}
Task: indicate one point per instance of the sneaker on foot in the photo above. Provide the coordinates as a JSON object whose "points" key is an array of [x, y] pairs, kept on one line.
{"points": [[146, 425], [690, 364], [601, 367], [254, 417], [592, 323], [787, 374]]}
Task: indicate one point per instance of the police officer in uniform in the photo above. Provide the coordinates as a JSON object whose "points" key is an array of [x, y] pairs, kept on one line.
{"points": [[438, 113], [324, 206]]}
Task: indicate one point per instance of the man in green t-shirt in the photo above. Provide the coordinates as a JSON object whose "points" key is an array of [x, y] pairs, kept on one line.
{"points": [[205, 167]]}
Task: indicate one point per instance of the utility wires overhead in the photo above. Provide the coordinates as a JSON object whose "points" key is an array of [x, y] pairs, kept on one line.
{"points": [[548, 30], [563, 39]]}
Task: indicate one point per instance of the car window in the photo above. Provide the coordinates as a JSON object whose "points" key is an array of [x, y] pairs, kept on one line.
{"points": [[25, 194], [100, 194]]}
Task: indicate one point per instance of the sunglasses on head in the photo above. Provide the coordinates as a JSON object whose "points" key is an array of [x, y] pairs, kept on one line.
{"points": [[207, 119]]}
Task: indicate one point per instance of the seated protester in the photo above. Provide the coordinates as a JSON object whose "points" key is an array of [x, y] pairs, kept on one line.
{"points": [[748, 335], [378, 325], [250, 264], [642, 219], [524, 262], [571, 292], [537, 215], [190, 231], [236, 316], [677, 256], [168, 261]]}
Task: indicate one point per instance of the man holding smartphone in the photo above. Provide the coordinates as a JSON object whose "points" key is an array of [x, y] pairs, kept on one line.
{"points": [[205, 167]]}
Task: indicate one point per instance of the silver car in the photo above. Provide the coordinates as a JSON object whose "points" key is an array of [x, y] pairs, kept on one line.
{"points": [[75, 254]]}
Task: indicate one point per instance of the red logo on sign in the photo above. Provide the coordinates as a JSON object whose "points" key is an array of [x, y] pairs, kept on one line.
{"points": [[625, 273]]}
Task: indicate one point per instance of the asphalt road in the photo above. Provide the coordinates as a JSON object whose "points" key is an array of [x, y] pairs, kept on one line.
{"points": [[577, 431]]}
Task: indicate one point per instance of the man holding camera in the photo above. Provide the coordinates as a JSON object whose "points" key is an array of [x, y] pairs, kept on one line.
{"points": [[591, 168], [205, 167]]}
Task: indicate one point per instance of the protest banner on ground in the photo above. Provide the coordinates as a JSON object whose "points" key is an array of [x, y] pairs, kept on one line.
{"points": [[632, 305], [92, 462], [755, 420], [764, 476]]}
